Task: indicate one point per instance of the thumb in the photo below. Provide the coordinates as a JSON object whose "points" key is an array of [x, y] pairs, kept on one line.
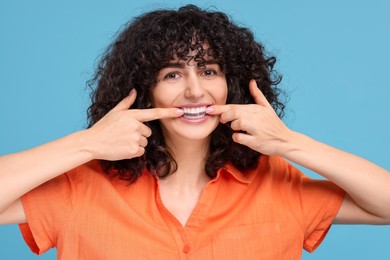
{"points": [[257, 95], [126, 103]]}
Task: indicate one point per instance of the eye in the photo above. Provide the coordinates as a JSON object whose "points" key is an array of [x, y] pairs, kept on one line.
{"points": [[172, 75], [209, 72]]}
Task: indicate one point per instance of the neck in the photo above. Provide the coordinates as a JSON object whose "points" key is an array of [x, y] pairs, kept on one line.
{"points": [[190, 157]]}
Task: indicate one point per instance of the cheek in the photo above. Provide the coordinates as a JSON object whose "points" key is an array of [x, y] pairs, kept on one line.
{"points": [[158, 98], [220, 95]]}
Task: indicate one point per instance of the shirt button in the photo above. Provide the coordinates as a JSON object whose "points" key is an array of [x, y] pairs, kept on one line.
{"points": [[186, 248]]}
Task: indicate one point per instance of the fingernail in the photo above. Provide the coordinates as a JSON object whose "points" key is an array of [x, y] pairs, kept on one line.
{"points": [[179, 111], [132, 91], [210, 110]]}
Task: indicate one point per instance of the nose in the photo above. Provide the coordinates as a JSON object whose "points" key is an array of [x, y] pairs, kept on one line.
{"points": [[194, 89]]}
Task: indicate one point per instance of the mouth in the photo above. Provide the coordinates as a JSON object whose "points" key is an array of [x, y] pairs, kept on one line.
{"points": [[193, 113]]}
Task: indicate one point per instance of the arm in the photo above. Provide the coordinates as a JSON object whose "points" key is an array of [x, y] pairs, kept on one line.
{"points": [[120, 134], [21, 172], [367, 185]]}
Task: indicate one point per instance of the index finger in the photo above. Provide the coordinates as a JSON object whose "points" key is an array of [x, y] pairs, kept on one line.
{"points": [[145, 115], [218, 109], [257, 95]]}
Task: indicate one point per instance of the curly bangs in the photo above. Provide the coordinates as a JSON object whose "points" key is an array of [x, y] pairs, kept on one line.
{"points": [[146, 45]]}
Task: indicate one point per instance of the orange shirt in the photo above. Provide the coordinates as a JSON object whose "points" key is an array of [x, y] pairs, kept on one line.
{"points": [[271, 212]]}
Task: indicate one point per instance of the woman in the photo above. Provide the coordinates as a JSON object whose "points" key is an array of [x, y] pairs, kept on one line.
{"points": [[194, 167]]}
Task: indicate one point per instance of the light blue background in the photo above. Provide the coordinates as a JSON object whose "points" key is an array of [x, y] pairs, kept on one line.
{"points": [[334, 56]]}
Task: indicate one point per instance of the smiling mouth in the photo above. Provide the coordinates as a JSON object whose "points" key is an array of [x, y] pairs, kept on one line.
{"points": [[194, 112]]}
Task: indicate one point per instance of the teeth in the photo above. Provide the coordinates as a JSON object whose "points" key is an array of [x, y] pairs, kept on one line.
{"points": [[194, 112]]}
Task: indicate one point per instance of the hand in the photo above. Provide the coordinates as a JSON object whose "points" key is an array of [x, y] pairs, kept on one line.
{"points": [[257, 125], [121, 134]]}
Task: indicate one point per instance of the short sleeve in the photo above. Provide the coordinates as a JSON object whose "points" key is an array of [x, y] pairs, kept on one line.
{"points": [[320, 209], [314, 202], [47, 209]]}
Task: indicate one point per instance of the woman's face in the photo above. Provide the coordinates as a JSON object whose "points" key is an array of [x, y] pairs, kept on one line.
{"points": [[184, 85]]}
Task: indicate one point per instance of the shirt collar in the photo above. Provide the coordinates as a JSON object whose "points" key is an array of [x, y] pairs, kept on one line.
{"points": [[246, 176], [243, 177]]}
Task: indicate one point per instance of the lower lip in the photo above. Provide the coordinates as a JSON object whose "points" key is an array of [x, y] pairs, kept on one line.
{"points": [[194, 121]]}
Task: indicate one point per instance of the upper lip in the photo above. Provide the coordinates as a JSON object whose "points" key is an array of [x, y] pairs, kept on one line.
{"points": [[194, 105]]}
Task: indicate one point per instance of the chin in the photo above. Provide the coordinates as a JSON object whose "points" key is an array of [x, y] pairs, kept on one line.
{"points": [[192, 131]]}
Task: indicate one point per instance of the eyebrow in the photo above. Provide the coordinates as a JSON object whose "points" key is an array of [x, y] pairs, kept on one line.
{"points": [[181, 64]]}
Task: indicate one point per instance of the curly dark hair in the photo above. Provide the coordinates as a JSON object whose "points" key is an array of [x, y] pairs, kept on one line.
{"points": [[145, 46]]}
